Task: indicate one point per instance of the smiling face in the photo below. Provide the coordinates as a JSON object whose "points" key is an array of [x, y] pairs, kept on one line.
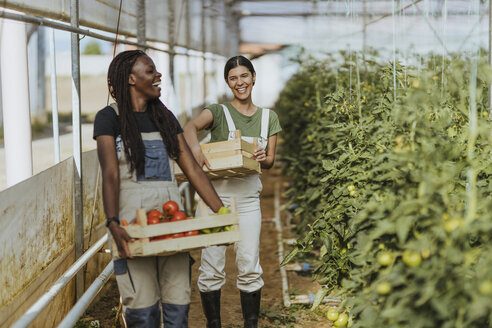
{"points": [[145, 80], [240, 80]]}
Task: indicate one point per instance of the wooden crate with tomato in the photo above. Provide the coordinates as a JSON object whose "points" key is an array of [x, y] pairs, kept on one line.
{"points": [[228, 159], [176, 233]]}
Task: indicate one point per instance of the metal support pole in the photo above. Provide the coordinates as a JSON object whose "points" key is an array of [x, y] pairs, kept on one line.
{"points": [[189, 83], [184, 188], [141, 37], [204, 50], [78, 208], [15, 102], [58, 286], [490, 56], [54, 98], [278, 226], [40, 110], [364, 29], [172, 36], [86, 299]]}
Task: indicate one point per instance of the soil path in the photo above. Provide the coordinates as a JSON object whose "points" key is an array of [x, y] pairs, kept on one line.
{"points": [[273, 313]]}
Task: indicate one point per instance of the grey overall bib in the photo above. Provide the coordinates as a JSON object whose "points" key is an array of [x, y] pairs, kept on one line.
{"points": [[148, 283]]}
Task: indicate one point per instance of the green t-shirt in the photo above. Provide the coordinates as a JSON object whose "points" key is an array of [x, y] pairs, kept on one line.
{"points": [[250, 126]]}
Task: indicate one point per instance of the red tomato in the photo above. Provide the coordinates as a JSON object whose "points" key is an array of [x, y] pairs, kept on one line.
{"points": [[178, 216], [191, 233], [177, 235], [153, 215], [153, 220], [170, 207], [162, 237]]}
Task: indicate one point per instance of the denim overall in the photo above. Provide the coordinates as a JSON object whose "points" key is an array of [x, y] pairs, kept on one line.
{"points": [[149, 284]]}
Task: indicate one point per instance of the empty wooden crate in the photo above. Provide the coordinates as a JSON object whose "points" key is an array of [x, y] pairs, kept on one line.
{"points": [[228, 159]]}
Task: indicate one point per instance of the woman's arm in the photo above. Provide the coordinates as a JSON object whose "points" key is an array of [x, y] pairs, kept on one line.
{"points": [[266, 159], [197, 177], [106, 152], [204, 119]]}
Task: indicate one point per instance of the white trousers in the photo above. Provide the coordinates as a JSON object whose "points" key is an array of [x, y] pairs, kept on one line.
{"points": [[212, 275]]}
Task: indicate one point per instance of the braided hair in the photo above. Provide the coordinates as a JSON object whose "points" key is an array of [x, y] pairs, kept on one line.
{"points": [[118, 73]]}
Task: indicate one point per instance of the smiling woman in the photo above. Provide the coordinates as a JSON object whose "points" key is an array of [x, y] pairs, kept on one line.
{"points": [[253, 121], [137, 140], [145, 81]]}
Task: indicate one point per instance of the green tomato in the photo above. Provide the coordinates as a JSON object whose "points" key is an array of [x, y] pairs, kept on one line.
{"points": [[452, 225], [485, 287], [223, 210], [229, 228], [385, 258], [425, 253], [383, 288], [332, 314], [341, 321], [351, 188], [411, 258], [206, 231]]}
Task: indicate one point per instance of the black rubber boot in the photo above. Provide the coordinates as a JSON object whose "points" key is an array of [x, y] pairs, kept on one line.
{"points": [[250, 304], [211, 308]]}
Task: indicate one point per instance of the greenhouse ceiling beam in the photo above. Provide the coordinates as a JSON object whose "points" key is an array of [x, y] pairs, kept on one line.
{"points": [[308, 14], [309, 1], [65, 27]]}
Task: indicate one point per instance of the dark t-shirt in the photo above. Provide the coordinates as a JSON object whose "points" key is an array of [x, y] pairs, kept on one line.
{"points": [[107, 123]]}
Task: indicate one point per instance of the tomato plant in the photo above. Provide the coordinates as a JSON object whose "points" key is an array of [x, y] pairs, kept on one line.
{"points": [[374, 176]]}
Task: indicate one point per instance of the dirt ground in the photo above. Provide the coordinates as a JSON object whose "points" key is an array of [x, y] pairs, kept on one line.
{"points": [[272, 312]]}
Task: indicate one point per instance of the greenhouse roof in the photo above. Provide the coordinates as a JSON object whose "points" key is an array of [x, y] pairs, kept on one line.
{"points": [[417, 25], [254, 26]]}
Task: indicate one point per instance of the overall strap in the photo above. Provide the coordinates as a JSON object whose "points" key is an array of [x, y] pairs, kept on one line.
{"points": [[265, 118], [115, 107], [230, 123]]}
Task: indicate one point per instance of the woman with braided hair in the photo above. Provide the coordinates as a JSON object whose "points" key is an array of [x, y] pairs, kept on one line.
{"points": [[137, 140]]}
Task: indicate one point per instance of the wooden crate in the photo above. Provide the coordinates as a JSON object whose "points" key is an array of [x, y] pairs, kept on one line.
{"points": [[142, 246], [228, 159]]}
